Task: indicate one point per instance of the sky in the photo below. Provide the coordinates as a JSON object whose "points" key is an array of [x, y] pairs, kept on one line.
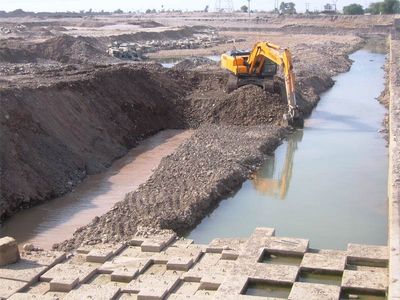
{"points": [[134, 5]]}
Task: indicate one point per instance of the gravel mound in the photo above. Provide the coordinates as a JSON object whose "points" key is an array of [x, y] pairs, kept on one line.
{"points": [[186, 185]]}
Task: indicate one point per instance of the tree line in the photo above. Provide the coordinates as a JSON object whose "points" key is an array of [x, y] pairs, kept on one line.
{"points": [[376, 8]]}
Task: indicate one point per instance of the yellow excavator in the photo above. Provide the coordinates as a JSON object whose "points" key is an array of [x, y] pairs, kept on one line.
{"points": [[259, 67]]}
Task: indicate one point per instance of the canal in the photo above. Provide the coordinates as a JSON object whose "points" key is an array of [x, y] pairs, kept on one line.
{"points": [[326, 183]]}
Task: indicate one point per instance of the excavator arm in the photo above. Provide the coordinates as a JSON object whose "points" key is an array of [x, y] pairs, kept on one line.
{"points": [[281, 57]]}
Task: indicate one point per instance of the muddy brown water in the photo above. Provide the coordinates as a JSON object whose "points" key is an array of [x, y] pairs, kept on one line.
{"points": [[327, 183], [56, 220]]}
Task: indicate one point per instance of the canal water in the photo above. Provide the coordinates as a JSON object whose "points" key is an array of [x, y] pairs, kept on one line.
{"points": [[326, 183], [55, 221]]}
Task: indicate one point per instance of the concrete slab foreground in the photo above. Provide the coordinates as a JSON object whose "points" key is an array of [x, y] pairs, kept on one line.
{"points": [[182, 270]]}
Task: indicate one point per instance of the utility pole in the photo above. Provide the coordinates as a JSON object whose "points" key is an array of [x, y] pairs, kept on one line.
{"points": [[307, 7], [248, 7]]}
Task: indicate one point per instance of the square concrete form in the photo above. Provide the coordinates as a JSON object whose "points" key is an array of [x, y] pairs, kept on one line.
{"points": [[157, 243], [9, 252], [152, 286], [378, 255], [103, 253], [313, 291], [64, 277], [365, 281], [9, 287], [325, 261], [280, 274], [124, 268], [99, 292]]}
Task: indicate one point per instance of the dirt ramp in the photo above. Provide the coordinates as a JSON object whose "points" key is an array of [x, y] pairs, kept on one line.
{"points": [[53, 136]]}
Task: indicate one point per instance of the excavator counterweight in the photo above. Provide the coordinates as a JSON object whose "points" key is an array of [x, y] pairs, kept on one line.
{"points": [[259, 67]]}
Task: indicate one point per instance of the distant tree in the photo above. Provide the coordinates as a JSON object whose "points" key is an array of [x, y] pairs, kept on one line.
{"points": [[287, 8], [353, 9], [244, 9], [118, 11], [153, 11], [148, 11], [391, 6], [206, 9], [385, 7]]}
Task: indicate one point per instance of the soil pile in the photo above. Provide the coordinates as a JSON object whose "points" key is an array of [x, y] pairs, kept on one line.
{"points": [[69, 49], [64, 49], [248, 105], [186, 185], [54, 135]]}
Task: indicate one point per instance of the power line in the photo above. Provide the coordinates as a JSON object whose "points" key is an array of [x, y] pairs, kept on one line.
{"points": [[224, 6]]}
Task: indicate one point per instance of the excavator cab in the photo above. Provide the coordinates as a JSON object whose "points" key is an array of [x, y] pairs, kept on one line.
{"points": [[259, 67]]}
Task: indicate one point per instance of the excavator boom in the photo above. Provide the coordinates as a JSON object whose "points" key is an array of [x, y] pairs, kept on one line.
{"points": [[258, 66]]}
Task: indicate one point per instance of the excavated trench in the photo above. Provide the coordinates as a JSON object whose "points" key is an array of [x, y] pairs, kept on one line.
{"points": [[79, 121]]}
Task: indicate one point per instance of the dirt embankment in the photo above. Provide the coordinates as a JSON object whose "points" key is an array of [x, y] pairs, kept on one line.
{"points": [[52, 136], [217, 158], [207, 167]]}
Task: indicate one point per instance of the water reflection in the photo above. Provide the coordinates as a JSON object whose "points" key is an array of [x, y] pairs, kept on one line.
{"points": [[268, 180]]}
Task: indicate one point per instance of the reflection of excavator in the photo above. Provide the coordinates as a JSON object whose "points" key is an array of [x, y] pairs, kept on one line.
{"points": [[259, 67], [264, 180]]}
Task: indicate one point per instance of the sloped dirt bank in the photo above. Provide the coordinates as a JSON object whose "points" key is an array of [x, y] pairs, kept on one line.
{"points": [[52, 136]]}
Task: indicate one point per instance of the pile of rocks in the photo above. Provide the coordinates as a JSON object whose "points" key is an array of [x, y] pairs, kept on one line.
{"points": [[135, 50]]}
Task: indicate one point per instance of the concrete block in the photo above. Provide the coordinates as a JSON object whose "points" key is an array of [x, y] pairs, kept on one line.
{"points": [[152, 285], [313, 291], [229, 254], [45, 258], [289, 246], [232, 285], [123, 268], [157, 243], [152, 293], [98, 255], [64, 284], [64, 276], [128, 296], [182, 243], [39, 288], [367, 254], [328, 261], [87, 291], [187, 288], [281, 274], [180, 263], [101, 253], [23, 270], [212, 281], [26, 296], [220, 244], [9, 252], [9, 287], [365, 281], [191, 297]]}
